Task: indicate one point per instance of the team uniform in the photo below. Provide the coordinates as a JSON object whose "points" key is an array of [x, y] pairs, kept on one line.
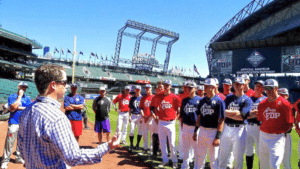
{"points": [[276, 118], [221, 95], [250, 93], [297, 108], [179, 144], [234, 133], [210, 111], [146, 126], [74, 116], [123, 117], [134, 105], [188, 114], [167, 110]]}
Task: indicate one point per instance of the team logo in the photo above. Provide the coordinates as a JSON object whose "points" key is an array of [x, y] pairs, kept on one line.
{"points": [[136, 103], [77, 99], [233, 106], [189, 108], [206, 110], [213, 102], [147, 103], [254, 106], [271, 114], [279, 102], [255, 58], [166, 105], [125, 102]]}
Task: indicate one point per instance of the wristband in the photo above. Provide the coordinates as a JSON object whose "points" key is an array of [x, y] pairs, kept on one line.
{"points": [[196, 129], [218, 134]]}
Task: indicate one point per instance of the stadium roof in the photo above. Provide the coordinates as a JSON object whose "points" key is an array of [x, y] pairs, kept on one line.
{"points": [[13, 36]]}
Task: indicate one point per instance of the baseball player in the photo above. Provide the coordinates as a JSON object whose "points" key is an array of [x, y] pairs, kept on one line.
{"points": [[211, 116], [123, 118], [168, 105], [238, 107], [286, 163], [187, 122], [200, 91], [276, 116], [73, 104], [227, 85], [101, 107], [247, 90], [252, 127], [297, 125], [146, 115], [217, 90], [135, 117], [16, 103]]}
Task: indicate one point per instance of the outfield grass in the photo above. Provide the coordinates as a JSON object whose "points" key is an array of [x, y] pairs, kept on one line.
{"points": [[113, 116]]}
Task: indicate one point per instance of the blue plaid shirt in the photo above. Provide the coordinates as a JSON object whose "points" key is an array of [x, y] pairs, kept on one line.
{"points": [[46, 139]]}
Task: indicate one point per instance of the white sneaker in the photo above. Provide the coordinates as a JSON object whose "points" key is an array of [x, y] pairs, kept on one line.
{"points": [[20, 161], [162, 165]]}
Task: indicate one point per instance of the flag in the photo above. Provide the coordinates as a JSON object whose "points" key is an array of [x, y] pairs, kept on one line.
{"points": [[101, 57], [112, 57], [92, 54], [69, 51], [190, 69], [97, 56], [195, 69], [62, 51], [80, 53], [56, 50]]}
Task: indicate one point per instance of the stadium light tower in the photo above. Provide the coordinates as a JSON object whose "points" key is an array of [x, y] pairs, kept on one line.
{"points": [[150, 29]]}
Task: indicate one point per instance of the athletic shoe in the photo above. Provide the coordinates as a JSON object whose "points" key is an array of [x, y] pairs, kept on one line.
{"points": [[175, 165], [162, 165], [86, 128], [180, 160], [20, 161], [137, 147], [130, 149]]}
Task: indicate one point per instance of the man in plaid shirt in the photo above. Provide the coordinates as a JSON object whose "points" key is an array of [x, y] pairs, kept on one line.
{"points": [[46, 137]]}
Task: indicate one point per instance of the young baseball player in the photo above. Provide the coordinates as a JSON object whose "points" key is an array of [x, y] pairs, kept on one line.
{"points": [[168, 105], [146, 115], [188, 120], [276, 116], [238, 107], [247, 90], [123, 118], [211, 116], [227, 85], [286, 163], [252, 127], [135, 117], [200, 91], [217, 90]]}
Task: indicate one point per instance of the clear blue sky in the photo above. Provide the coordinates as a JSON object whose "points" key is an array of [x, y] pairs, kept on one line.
{"points": [[96, 24]]}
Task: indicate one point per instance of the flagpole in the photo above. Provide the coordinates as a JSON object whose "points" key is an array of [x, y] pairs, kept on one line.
{"points": [[74, 52], [60, 55], [95, 60], [193, 74]]}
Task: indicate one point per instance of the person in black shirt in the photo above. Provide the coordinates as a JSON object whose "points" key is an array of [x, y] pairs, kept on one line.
{"points": [[101, 107]]}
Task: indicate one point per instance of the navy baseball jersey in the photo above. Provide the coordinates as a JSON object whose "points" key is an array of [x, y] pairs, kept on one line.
{"points": [[255, 104], [134, 105], [242, 104], [188, 111], [210, 110]]}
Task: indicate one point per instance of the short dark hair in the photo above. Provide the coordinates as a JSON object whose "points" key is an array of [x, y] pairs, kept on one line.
{"points": [[46, 74]]}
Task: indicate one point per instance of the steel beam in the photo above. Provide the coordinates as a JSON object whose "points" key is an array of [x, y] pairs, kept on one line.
{"points": [[144, 38], [118, 45], [167, 60]]}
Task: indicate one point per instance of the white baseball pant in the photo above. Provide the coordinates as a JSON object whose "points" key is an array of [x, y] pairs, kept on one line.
{"points": [[154, 126], [123, 120], [135, 121], [252, 136], [205, 140], [179, 143], [188, 145], [233, 138], [167, 129], [271, 148], [146, 129], [286, 163]]}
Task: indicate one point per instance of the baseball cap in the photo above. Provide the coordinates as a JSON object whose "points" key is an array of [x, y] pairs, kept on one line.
{"points": [[148, 86], [200, 87], [167, 81], [185, 83], [138, 87], [127, 88], [245, 76], [217, 81], [227, 81], [260, 82], [283, 91], [210, 81], [191, 84], [74, 85], [239, 80], [101, 88], [23, 84], [271, 83]]}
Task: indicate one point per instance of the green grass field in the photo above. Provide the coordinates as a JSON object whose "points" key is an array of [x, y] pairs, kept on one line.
{"points": [[113, 116]]}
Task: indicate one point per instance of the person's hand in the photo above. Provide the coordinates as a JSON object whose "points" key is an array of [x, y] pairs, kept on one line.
{"points": [[195, 136], [20, 93], [114, 142], [156, 120], [129, 119], [216, 142], [146, 119]]}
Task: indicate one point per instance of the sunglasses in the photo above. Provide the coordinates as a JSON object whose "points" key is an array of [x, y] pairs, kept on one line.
{"points": [[269, 88], [63, 82]]}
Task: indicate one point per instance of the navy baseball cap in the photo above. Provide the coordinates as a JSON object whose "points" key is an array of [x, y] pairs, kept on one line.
{"points": [[227, 81], [23, 84], [239, 80], [148, 86], [138, 87], [210, 82], [260, 82], [271, 83], [245, 76], [167, 81], [74, 85], [191, 84], [283, 91], [200, 87]]}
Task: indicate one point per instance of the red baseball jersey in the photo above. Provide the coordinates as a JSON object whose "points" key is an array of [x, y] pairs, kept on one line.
{"points": [[250, 92], [295, 105], [167, 106], [123, 101], [183, 96], [145, 104], [153, 102], [276, 116], [223, 97]]}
